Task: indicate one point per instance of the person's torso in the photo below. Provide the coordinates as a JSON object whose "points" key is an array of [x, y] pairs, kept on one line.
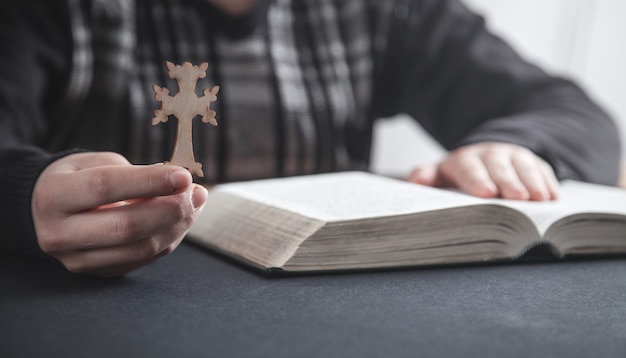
{"points": [[294, 92]]}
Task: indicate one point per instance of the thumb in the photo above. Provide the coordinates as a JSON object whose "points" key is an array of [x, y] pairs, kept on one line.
{"points": [[425, 175]]}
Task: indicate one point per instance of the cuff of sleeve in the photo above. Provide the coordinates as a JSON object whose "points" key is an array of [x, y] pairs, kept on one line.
{"points": [[16, 188], [524, 136]]}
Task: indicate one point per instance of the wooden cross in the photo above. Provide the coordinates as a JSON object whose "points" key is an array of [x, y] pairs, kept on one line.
{"points": [[185, 106]]}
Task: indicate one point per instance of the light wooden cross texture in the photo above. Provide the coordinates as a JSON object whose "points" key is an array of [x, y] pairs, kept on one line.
{"points": [[185, 106]]}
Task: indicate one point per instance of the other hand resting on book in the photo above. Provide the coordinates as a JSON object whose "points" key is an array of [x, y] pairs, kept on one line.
{"points": [[491, 170]]}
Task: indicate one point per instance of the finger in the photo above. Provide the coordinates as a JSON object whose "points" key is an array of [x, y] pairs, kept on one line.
{"points": [[504, 175], [469, 174], [115, 226], [121, 270], [90, 160], [109, 184], [425, 175], [80, 161], [119, 260], [551, 181], [530, 174]]}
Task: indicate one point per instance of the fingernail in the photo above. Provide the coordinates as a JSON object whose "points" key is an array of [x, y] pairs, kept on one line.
{"points": [[179, 179], [199, 197]]}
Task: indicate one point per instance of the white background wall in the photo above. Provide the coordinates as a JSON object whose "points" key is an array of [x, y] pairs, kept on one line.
{"points": [[581, 39]]}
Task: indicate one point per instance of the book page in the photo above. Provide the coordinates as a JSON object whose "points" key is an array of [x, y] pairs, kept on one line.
{"points": [[348, 195], [575, 198]]}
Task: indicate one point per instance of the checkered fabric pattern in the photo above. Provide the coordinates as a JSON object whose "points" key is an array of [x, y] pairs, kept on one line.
{"points": [[290, 86]]}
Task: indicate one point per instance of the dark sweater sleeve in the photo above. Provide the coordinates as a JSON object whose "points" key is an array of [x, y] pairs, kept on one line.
{"points": [[465, 85], [34, 40]]}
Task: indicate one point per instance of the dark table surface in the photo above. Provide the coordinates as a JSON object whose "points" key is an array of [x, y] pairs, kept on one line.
{"points": [[196, 304]]}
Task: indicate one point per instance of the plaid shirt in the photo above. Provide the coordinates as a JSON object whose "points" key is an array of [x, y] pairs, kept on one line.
{"points": [[291, 88]]}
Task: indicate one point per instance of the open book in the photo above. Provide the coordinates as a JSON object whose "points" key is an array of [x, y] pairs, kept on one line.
{"points": [[356, 220]]}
